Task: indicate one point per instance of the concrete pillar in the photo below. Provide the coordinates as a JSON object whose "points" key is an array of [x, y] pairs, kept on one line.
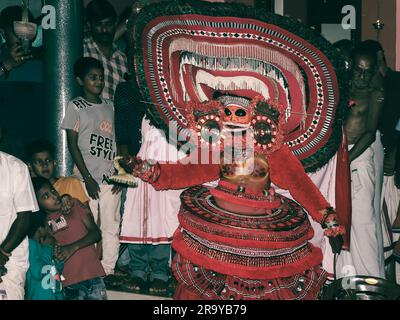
{"points": [[63, 46]]}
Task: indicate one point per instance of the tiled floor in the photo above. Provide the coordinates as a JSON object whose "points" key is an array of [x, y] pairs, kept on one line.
{"points": [[119, 295]]}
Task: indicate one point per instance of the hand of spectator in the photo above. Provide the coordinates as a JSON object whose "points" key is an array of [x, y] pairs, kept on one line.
{"points": [[389, 164], [66, 204], [16, 57], [92, 188], [4, 257], [116, 189], [63, 253], [48, 239]]}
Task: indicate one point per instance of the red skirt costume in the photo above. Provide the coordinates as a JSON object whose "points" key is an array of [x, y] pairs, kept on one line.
{"points": [[229, 256]]}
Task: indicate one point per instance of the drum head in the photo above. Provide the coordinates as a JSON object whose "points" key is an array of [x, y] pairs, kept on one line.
{"points": [[362, 288]]}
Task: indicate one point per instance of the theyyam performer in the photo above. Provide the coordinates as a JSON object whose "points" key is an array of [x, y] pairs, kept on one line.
{"points": [[256, 101]]}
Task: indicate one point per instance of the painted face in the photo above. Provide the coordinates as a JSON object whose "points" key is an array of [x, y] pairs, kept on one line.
{"points": [[363, 71], [103, 31], [42, 165], [48, 198], [236, 115], [93, 82]]}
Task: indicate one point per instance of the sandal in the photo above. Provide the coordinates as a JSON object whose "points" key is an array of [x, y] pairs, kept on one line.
{"points": [[113, 280], [158, 286], [134, 284], [122, 271]]}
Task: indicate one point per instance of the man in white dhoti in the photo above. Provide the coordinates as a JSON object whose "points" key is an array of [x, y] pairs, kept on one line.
{"points": [[366, 157]]}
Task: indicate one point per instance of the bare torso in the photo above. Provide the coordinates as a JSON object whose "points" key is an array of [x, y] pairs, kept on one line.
{"points": [[356, 123]]}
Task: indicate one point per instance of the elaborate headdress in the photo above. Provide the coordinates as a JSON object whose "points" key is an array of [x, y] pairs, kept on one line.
{"points": [[189, 52]]}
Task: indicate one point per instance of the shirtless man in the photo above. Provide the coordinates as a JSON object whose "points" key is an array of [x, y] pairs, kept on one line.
{"points": [[365, 149]]}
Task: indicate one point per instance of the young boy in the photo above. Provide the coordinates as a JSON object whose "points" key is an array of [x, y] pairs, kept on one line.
{"points": [[41, 163], [43, 279], [75, 234], [89, 123]]}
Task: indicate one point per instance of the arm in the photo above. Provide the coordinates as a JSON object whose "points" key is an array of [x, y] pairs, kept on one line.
{"points": [[92, 186], [375, 108], [24, 201], [15, 58], [287, 172], [179, 176], [63, 253], [17, 233]]}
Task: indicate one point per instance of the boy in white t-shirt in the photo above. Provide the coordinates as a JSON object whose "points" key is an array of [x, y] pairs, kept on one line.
{"points": [[89, 123]]}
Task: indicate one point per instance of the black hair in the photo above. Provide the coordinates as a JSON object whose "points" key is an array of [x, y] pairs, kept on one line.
{"points": [[38, 219], [37, 146], [364, 49], [372, 46], [84, 64], [98, 10], [39, 182], [345, 46], [10, 14]]}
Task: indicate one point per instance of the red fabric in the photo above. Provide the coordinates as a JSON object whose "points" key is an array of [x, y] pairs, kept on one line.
{"points": [[179, 176], [182, 293], [195, 283], [343, 190], [228, 240], [287, 173], [244, 201], [223, 267]]}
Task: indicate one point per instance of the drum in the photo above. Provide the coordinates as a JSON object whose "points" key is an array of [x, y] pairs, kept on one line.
{"points": [[362, 288]]}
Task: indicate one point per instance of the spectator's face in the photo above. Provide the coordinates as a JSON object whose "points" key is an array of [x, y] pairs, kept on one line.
{"points": [[93, 82], [363, 71], [103, 31], [42, 165], [48, 198]]}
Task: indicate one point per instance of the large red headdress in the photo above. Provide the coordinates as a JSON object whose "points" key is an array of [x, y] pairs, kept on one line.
{"points": [[189, 53]]}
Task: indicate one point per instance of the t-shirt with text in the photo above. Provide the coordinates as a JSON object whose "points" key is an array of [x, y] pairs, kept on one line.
{"points": [[96, 135]]}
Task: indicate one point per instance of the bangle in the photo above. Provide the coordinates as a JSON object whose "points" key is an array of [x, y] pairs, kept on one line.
{"points": [[4, 69], [6, 254]]}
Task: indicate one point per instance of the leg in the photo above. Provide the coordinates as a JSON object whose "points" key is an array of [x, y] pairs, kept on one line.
{"points": [[160, 269], [138, 266], [96, 289], [109, 224], [365, 245]]}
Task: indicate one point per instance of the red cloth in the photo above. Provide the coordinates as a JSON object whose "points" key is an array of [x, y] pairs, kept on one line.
{"points": [[84, 264], [179, 176], [343, 190], [287, 172]]}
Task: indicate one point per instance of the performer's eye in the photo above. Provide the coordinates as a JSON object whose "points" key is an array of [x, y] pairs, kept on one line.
{"points": [[240, 113], [228, 112]]}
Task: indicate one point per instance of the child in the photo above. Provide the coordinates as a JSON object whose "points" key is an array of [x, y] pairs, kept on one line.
{"points": [[89, 123], [75, 234], [41, 163], [43, 279]]}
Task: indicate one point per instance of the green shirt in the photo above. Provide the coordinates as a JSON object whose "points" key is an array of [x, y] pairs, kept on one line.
{"points": [[40, 283]]}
